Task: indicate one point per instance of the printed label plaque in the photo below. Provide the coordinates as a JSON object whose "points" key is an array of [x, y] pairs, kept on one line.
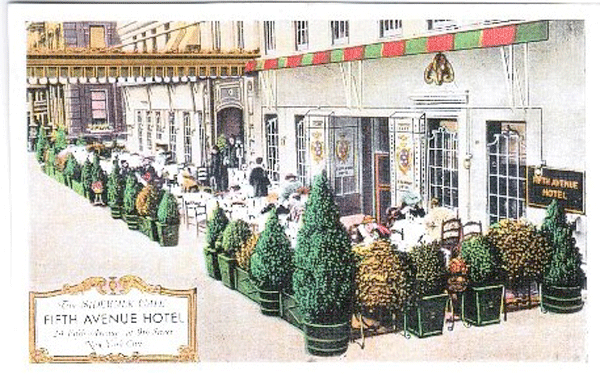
{"points": [[114, 320]]}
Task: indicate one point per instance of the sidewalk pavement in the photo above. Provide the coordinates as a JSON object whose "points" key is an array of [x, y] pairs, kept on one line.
{"points": [[72, 240]]}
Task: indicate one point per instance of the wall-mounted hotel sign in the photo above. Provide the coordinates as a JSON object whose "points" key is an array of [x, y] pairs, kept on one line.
{"points": [[114, 320], [566, 186]]}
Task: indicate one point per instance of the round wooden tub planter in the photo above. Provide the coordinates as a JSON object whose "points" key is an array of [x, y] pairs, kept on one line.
{"points": [[427, 317], [227, 270], [482, 305], [559, 299], [269, 302], [115, 212], [132, 221], [168, 235], [327, 339], [212, 263]]}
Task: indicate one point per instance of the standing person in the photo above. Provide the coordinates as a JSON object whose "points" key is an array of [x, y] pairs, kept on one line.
{"points": [[216, 169], [230, 160], [259, 180]]}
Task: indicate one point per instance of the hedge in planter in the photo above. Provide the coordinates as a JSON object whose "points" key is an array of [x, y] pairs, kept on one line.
{"points": [[115, 191], [86, 179], [72, 171], [425, 315], [563, 278], [384, 280], [243, 283], [217, 222], [146, 205], [168, 220], [271, 265], [234, 236], [41, 145], [323, 280], [483, 301], [132, 188]]}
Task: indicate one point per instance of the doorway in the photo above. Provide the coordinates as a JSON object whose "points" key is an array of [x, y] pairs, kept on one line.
{"points": [[230, 123]]}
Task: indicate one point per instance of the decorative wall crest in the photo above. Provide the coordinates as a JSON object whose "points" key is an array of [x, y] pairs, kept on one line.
{"points": [[439, 71]]}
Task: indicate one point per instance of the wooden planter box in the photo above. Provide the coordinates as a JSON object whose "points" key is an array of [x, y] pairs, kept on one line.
{"points": [[132, 221], [327, 340], [148, 228], [212, 263], [289, 310], [244, 285], [49, 169], [60, 178], [77, 187], [269, 302], [482, 306], [168, 235], [556, 299], [427, 317], [115, 212], [227, 270]]}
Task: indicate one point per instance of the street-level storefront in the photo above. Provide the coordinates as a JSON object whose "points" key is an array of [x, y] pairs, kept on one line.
{"points": [[380, 124]]}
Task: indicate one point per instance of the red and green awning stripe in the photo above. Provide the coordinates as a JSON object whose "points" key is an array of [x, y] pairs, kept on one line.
{"points": [[484, 38]]}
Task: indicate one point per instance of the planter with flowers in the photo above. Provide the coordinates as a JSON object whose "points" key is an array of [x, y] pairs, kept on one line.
{"points": [[426, 313], [243, 283], [564, 278], [483, 301], [217, 222], [234, 236], [132, 188], [168, 221], [323, 279], [271, 265], [146, 205]]}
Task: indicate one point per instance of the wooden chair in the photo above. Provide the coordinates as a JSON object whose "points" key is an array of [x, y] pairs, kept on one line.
{"points": [[471, 229], [195, 214], [202, 175], [451, 235]]}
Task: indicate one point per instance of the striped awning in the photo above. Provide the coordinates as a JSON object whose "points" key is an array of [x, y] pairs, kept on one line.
{"points": [[482, 38]]}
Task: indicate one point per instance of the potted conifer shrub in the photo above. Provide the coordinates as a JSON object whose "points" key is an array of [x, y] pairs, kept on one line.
{"points": [[50, 157], [235, 235], [115, 191], [243, 283], [132, 189], [41, 145], [563, 278], [86, 179], [323, 279], [426, 313], [217, 222], [146, 205], [483, 301], [72, 172], [271, 265], [168, 221]]}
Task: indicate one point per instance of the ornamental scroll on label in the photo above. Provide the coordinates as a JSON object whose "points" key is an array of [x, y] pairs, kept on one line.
{"points": [[123, 320]]}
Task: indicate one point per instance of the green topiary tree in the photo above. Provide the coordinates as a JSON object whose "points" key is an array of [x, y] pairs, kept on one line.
{"points": [[168, 210], [483, 264], [60, 142], [86, 176], [564, 269], [41, 144], [115, 186], [235, 235], [271, 263], [72, 169], [216, 224], [429, 268], [323, 280], [132, 189]]}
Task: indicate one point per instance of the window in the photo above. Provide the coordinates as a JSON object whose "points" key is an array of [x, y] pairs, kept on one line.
{"points": [[272, 134], [507, 157], [442, 162], [216, 35], [441, 24], [172, 136], [301, 28], [97, 37], [159, 125], [390, 27], [99, 106], [167, 26], [269, 37], [339, 32], [140, 130], [153, 31], [240, 34], [149, 130], [187, 138], [201, 138], [302, 151]]}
